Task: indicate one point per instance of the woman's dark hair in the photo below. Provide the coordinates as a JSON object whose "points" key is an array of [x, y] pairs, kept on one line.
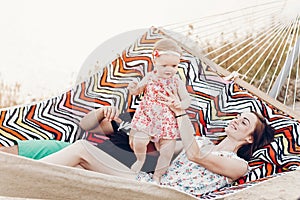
{"points": [[263, 134]]}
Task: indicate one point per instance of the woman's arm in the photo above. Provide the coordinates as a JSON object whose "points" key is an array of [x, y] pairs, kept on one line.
{"points": [[185, 126], [229, 167], [184, 95]]}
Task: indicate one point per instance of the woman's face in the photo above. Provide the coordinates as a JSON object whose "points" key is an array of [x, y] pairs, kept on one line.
{"points": [[166, 65], [242, 127]]}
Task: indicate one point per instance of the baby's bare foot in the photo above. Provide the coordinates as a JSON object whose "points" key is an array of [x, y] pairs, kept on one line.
{"points": [[137, 166], [156, 179]]}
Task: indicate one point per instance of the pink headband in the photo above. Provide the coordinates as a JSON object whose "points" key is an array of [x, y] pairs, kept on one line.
{"points": [[157, 53]]}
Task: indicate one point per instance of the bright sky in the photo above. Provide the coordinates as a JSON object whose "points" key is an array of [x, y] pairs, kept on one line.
{"points": [[43, 44]]}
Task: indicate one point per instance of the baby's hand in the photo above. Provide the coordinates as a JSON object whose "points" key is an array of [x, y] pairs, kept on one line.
{"points": [[133, 87]]}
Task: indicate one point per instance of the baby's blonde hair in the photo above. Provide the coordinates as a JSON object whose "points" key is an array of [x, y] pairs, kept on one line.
{"points": [[167, 44]]}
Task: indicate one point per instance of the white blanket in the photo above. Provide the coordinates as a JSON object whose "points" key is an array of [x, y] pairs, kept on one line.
{"points": [[25, 178]]}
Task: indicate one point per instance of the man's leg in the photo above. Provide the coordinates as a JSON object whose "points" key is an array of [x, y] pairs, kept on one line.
{"points": [[89, 157]]}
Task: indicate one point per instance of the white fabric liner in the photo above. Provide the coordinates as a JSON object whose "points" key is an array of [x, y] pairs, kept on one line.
{"points": [[26, 178]]}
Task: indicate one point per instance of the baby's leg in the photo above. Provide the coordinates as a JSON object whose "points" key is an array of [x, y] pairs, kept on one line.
{"points": [[166, 151], [140, 141]]}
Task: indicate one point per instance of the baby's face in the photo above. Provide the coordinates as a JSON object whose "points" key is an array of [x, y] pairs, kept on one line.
{"points": [[166, 65]]}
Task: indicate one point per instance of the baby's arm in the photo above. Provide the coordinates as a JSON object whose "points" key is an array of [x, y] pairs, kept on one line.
{"points": [[185, 98], [136, 88]]}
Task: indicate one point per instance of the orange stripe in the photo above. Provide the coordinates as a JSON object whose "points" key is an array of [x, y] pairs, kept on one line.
{"points": [[85, 98], [269, 168], [144, 39], [43, 126], [126, 71], [138, 58], [8, 130], [73, 107], [103, 81], [202, 95]]}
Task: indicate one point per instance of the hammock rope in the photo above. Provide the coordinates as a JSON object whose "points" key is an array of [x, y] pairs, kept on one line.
{"points": [[284, 40], [290, 68], [266, 41], [278, 47], [256, 41], [273, 45]]}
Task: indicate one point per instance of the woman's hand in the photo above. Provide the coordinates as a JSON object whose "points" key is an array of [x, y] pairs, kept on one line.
{"points": [[172, 101]]}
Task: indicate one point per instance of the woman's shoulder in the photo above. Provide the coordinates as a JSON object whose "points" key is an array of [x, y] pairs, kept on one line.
{"points": [[205, 142], [230, 154]]}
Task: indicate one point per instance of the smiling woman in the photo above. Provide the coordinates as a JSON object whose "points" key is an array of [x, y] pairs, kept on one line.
{"points": [[262, 133]]}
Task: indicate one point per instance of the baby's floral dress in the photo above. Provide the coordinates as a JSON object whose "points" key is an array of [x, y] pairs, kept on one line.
{"points": [[155, 118]]}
